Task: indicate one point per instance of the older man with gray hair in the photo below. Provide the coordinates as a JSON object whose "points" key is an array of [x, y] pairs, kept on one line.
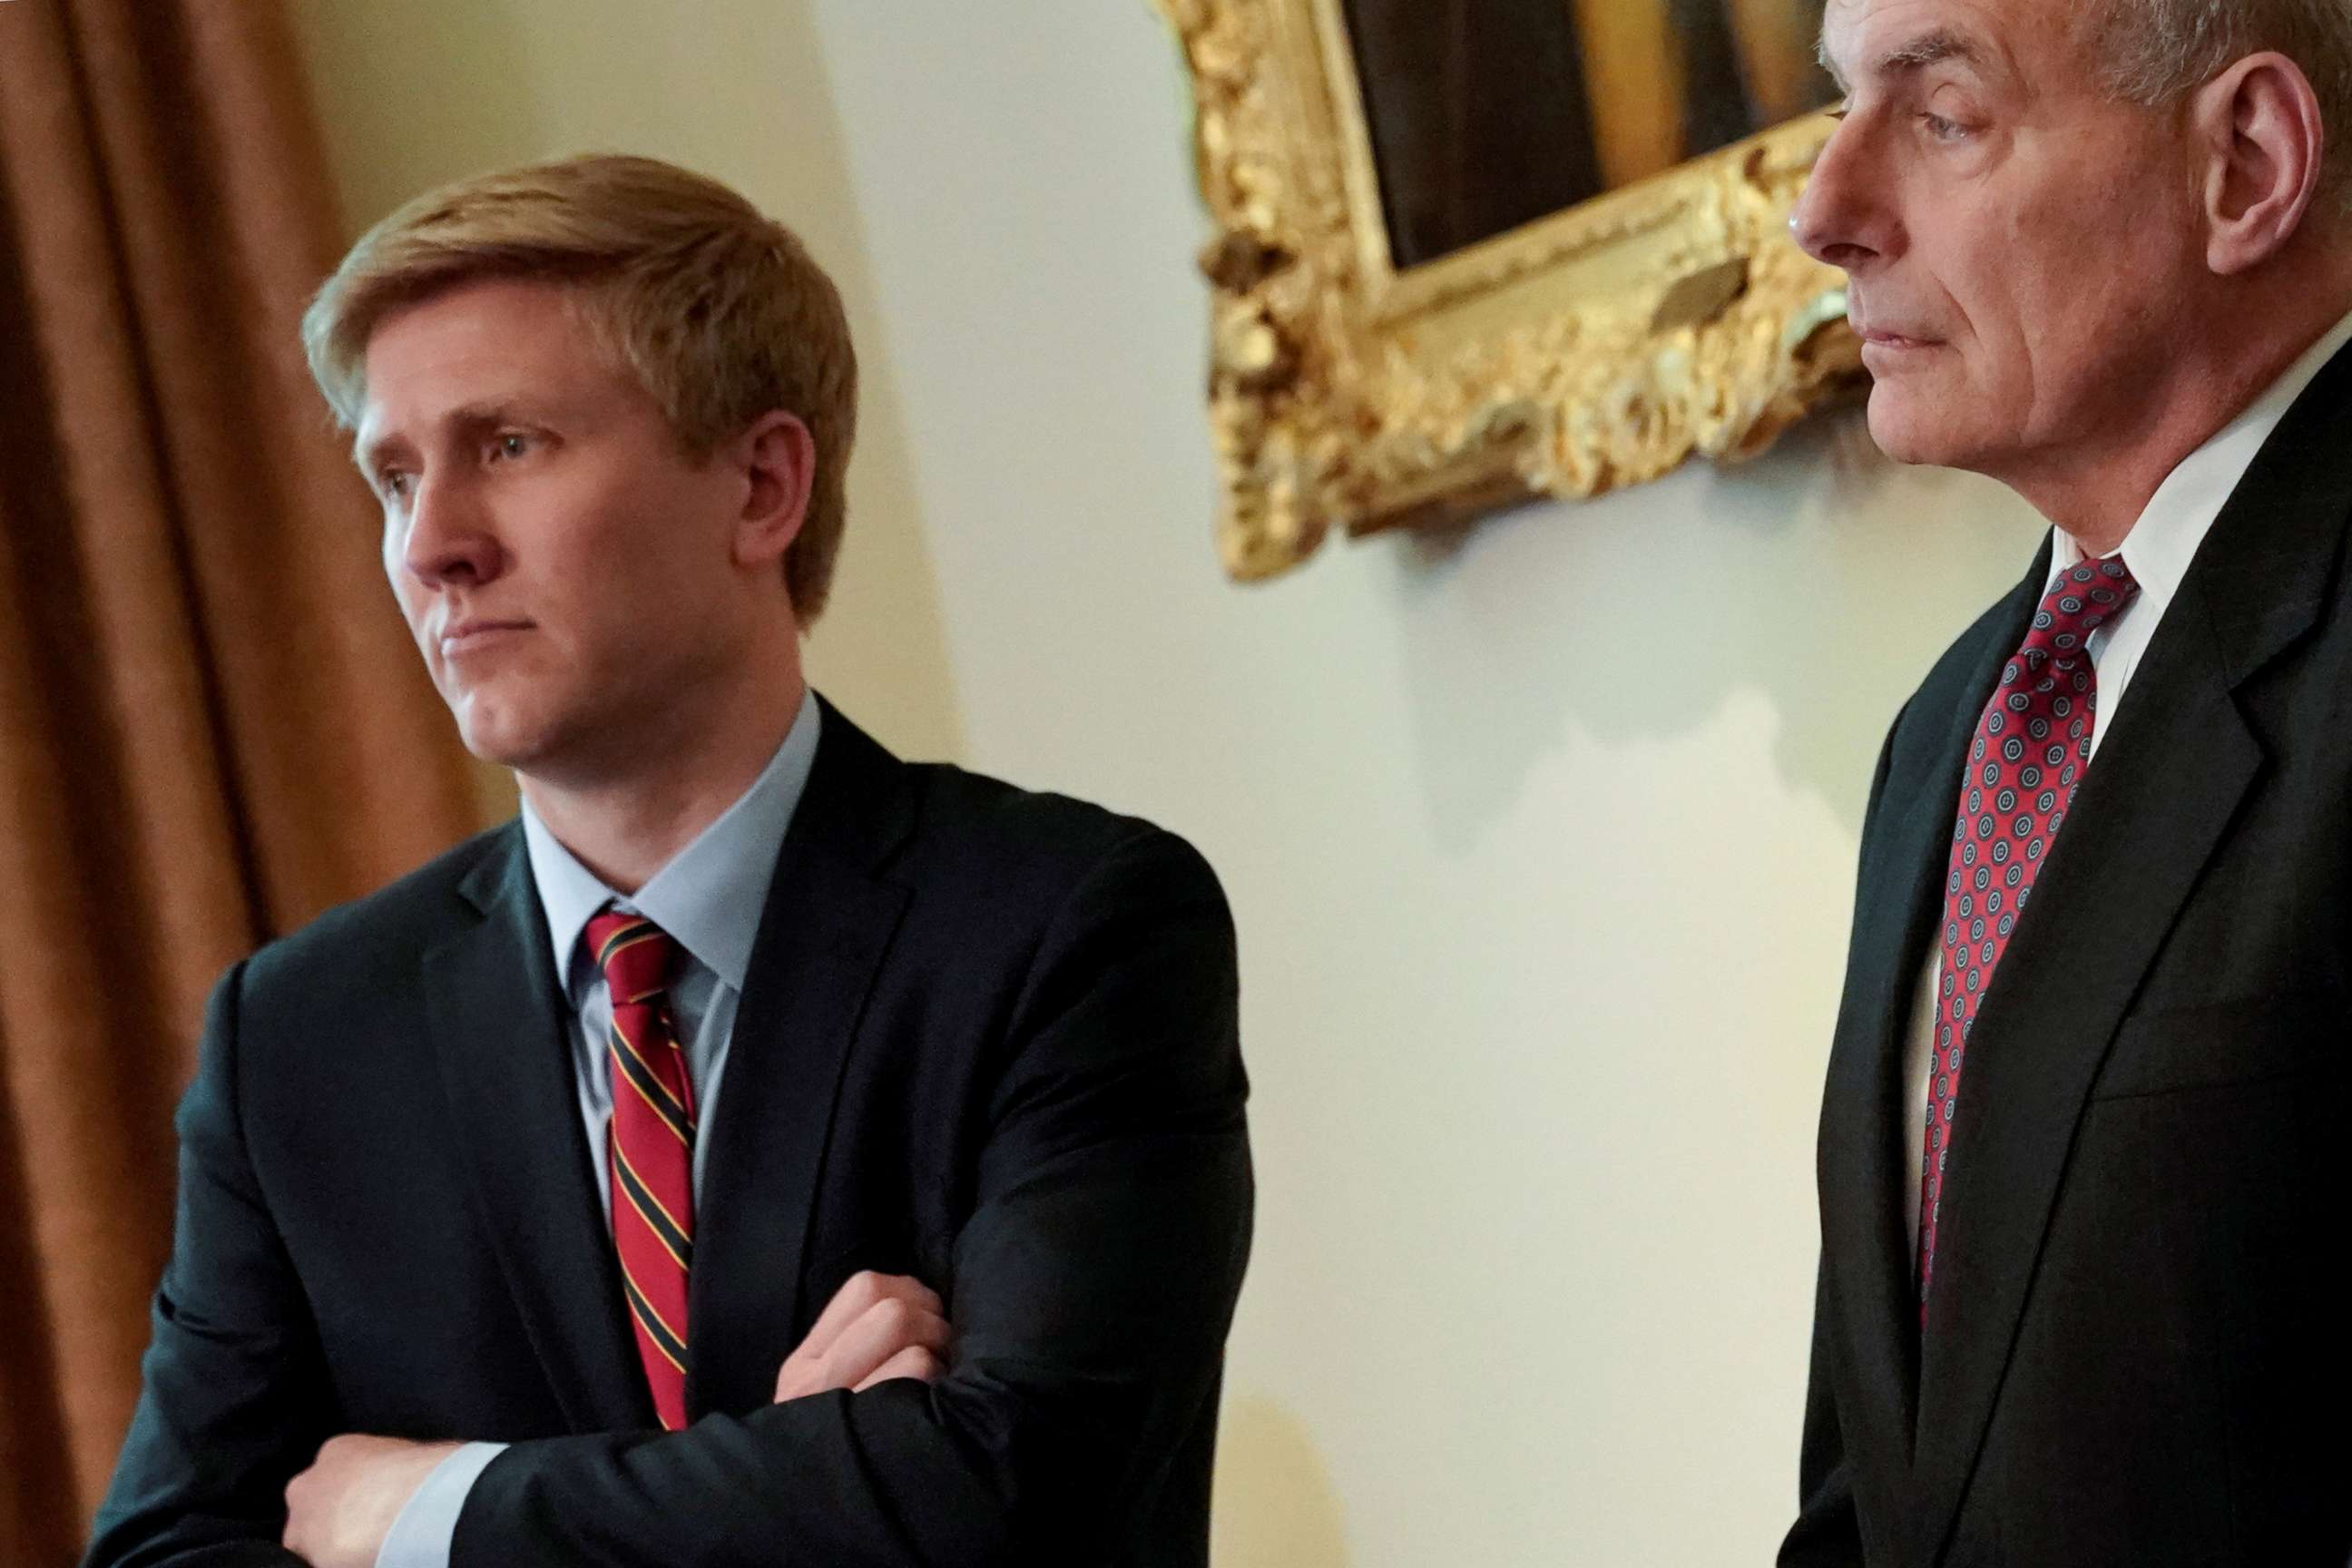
{"points": [[2081, 1287]]}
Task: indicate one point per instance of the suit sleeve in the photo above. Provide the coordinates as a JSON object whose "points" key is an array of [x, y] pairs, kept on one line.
{"points": [[1827, 1532], [1093, 1286], [230, 1409]]}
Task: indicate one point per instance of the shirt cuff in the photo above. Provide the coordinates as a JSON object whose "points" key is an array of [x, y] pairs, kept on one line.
{"points": [[421, 1536]]}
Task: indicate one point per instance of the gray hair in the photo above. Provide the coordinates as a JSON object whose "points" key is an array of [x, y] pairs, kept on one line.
{"points": [[2157, 52]]}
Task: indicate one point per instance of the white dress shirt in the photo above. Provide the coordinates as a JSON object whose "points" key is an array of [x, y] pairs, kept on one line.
{"points": [[708, 898], [2156, 551]]}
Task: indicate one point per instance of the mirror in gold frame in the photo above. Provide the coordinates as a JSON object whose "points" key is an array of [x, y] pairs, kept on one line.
{"points": [[1473, 251]]}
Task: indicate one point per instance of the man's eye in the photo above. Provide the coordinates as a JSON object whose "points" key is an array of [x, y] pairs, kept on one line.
{"points": [[1943, 130], [393, 484], [510, 446]]}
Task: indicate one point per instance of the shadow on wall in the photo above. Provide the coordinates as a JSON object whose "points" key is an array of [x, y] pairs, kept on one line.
{"points": [[1275, 1505], [1821, 573]]}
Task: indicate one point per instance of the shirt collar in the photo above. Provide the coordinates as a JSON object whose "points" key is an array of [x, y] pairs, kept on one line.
{"points": [[2161, 544], [710, 896]]}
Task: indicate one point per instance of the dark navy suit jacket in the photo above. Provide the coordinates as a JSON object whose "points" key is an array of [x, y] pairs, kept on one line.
{"points": [[987, 1038], [2139, 1352]]}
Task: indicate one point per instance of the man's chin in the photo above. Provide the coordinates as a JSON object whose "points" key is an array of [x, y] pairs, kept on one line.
{"points": [[497, 739], [1911, 429]]}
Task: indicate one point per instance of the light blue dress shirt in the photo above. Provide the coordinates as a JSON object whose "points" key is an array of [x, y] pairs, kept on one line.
{"points": [[708, 898]]}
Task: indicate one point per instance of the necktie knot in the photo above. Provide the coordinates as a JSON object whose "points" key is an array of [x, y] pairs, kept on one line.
{"points": [[2085, 597], [636, 955]]}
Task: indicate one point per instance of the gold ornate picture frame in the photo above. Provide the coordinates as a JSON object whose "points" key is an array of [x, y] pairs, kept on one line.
{"points": [[1594, 348]]}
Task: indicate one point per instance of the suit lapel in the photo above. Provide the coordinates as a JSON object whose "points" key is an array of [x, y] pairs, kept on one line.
{"points": [[497, 1027], [828, 921], [1866, 1133], [2170, 775]]}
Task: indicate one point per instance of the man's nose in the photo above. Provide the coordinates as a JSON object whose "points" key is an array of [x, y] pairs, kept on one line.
{"points": [[1839, 219], [449, 542]]}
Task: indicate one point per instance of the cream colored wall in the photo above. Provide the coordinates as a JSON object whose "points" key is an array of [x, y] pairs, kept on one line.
{"points": [[1540, 838]]}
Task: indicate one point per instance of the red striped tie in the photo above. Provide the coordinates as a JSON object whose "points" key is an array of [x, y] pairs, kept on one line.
{"points": [[649, 1150]]}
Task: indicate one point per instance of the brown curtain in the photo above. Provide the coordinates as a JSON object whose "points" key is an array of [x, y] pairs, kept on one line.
{"points": [[212, 724]]}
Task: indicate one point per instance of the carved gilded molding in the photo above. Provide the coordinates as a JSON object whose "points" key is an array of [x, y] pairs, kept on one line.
{"points": [[1596, 347]]}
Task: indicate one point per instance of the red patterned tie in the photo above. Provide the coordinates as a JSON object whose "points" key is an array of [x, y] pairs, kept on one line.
{"points": [[649, 1150], [2031, 750]]}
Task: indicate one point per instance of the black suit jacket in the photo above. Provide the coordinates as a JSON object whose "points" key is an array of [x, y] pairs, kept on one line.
{"points": [[986, 1038], [2136, 1352]]}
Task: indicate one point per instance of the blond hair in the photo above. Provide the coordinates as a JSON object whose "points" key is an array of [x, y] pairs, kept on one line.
{"points": [[719, 313]]}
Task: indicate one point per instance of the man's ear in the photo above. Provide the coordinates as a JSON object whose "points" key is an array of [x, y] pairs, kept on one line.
{"points": [[777, 457], [2258, 128]]}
